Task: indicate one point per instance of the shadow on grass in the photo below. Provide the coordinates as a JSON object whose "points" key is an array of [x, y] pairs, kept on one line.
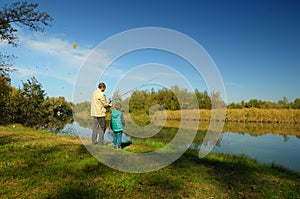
{"points": [[7, 139], [242, 177], [95, 180], [67, 170]]}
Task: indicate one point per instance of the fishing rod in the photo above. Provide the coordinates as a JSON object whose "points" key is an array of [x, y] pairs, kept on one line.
{"points": [[135, 88]]}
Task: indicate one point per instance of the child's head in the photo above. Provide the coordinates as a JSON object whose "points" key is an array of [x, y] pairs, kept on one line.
{"points": [[118, 106]]}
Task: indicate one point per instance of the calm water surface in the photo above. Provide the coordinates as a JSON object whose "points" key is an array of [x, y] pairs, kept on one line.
{"points": [[266, 148]]}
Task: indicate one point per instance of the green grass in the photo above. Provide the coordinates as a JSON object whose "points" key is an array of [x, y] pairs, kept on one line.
{"points": [[37, 164]]}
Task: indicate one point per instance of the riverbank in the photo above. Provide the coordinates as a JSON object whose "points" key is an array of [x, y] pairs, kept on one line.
{"points": [[44, 165], [245, 115]]}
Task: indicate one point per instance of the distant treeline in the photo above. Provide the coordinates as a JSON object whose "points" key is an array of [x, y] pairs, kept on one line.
{"points": [[178, 99], [255, 103], [29, 106], [141, 102], [174, 98]]}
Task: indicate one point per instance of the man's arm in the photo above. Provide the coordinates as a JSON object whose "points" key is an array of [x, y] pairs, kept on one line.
{"points": [[103, 101]]}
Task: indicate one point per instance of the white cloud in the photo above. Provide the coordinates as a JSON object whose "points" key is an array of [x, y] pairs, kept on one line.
{"points": [[25, 72], [55, 48], [55, 57]]}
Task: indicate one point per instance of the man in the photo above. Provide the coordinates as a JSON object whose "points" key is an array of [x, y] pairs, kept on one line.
{"points": [[98, 111]]}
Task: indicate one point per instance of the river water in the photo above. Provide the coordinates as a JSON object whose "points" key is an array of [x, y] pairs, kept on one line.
{"points": [[267, 148]]}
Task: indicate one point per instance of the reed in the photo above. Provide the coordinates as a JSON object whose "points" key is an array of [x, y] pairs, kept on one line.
{"points": [[252, 115]]}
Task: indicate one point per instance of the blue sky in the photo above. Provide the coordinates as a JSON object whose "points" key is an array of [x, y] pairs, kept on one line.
{"points": [[255, 45]]}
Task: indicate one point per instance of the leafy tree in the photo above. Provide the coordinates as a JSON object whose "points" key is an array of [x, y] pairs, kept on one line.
{"points": [[247, 105], [167, 99], [5, 64], [151, 100], [204, 100], [30, 107], [5, 90], [58, 112], [255, 103], [234, 105], [186, 99], [82, 108], [116, 98], [216, 100], [24, 14], [137, 101], [267, 105], [27, 104], [296, 103], [16, 107], [21, 14], [32, 89], [283, 103], [22, 105]]}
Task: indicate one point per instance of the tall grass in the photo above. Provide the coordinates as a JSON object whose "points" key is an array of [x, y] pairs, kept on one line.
{"points": [[284, 116]]}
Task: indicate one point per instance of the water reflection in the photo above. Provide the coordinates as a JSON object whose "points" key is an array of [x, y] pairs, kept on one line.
{"points": [[268, 143], [267, 148]]}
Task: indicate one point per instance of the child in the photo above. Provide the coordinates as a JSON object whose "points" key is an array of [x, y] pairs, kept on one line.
{"points": [[117, 125]]}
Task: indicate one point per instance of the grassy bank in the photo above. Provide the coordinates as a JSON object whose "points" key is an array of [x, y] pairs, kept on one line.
{"points": [[36, 164]]}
